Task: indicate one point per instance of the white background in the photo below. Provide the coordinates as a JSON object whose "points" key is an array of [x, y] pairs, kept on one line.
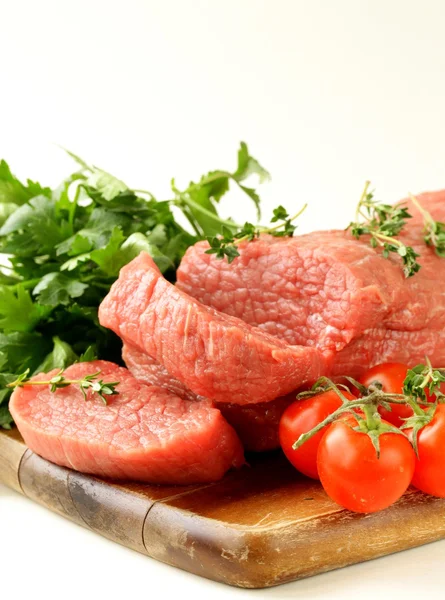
{"points": [[326, 93]]}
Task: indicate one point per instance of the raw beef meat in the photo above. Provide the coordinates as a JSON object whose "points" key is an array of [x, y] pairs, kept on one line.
{"points": [[255, 424], [144, 433], [212, 354], [329, 291]]}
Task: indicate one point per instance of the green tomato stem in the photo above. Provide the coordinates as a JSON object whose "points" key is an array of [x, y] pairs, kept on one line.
{"points": [[416, 408], [304, 437], [368, 404], [372, 421]]}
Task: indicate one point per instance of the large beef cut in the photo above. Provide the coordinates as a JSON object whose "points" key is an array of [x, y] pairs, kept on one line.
{"points": [[214, 355], [328, 291], [255, 424], [144, 433]]}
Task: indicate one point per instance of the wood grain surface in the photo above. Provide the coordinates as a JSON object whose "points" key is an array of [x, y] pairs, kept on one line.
{"points": [[260, 526]]}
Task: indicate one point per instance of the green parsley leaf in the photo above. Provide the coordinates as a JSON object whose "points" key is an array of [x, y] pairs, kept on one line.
{"points": [[72, 263], [254, 196], [61, 356], [57, 288], [23, 350], [96, 233], [198, 201], [6, 209], [6, 419], [85, 166], [137, 243], [202, 197], [108, 257], [37, 220], [248, 165], [5, 380], [15, 192], [107, 185], [87, 356], [17, 310]]}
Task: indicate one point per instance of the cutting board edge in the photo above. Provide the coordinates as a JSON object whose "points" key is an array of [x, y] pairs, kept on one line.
{"points": [[237, 555], [338, 536]]}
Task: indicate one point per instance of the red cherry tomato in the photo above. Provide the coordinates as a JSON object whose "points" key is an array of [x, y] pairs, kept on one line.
{"points": [[300, 417], [354, 477], [429, 474], [391, 377]]}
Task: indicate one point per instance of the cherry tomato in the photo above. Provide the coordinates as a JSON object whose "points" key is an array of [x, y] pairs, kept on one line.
{"points": [[429, 474], [354, 477], [300, 417], [391, 377]]}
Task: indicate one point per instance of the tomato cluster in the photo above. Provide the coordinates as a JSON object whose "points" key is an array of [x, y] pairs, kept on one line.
{"points": [[356, 471]]}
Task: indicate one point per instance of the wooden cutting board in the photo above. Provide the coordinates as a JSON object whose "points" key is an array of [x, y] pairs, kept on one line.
{"points": [[258, 527]]}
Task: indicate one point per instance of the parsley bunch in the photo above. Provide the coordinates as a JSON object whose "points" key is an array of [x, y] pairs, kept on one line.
{"points": [[61, 249], [383, 222]]}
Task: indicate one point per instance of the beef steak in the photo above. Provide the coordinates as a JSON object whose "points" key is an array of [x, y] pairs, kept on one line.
{"points": [[145, 433], [214, 355], [330, 291], [255, 424]]}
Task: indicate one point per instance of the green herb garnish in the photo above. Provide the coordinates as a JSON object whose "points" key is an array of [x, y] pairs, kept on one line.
{"points": [[434, 231], [424, 378], [383, 222], [225, 246], [88, 382]]}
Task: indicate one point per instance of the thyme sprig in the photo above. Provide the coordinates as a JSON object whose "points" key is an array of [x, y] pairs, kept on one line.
{"points": [[88, 382], [383, 222], [419, 380], [423, 378], [434, 231], [225, 245]]}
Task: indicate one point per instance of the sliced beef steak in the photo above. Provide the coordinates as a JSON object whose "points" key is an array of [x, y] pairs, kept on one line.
{"points": [[214, 355], [255, 424], [146, 369], [145, 433], [330, 291]]}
